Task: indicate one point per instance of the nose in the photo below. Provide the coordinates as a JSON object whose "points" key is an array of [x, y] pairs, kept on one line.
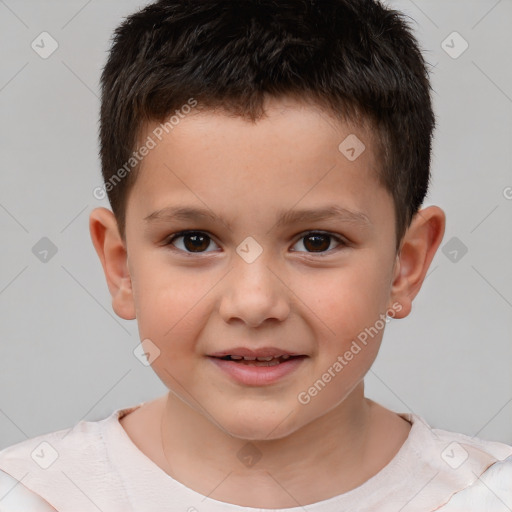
{"points": [[253, 293]]}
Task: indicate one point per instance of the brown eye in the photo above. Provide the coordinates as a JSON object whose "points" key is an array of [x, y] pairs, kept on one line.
{"points": [[192, 241], [319, 243]]}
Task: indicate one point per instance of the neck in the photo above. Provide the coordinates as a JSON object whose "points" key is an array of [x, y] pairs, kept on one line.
{"points": [[332, 455]]}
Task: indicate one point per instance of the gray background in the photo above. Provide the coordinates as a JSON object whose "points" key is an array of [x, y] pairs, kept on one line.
{"points": [[65, 356]]}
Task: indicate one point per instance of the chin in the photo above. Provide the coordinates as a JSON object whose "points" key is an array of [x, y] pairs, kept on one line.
{"points": [[254, 427]]}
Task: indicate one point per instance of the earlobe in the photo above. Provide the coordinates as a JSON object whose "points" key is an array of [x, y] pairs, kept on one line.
{"points": [[112, 253], [418, 248]]}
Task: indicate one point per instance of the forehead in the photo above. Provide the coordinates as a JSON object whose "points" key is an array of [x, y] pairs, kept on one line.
{"points": [[296, 154]]}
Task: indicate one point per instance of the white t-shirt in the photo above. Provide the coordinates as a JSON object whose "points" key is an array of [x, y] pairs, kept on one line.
{"points": [[95, 466]]}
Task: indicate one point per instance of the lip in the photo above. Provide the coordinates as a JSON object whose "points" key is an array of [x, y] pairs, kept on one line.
{"points": [[259, 352], [257, 375]]}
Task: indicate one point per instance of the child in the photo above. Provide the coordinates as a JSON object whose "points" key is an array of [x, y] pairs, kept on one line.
{"points": [[235, 137]]}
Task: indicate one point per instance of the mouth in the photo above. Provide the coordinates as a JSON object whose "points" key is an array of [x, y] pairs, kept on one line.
{"points": [[260, 361], [257, 367]]}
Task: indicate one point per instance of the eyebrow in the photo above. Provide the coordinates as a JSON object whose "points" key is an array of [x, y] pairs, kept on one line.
{"points": [[284, 218]]}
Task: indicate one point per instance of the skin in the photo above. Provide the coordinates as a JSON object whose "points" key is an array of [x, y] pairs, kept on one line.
{"points": [[290, 297]]}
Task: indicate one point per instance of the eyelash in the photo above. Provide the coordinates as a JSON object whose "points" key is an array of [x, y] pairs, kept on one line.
{"points": [[172, 238]]}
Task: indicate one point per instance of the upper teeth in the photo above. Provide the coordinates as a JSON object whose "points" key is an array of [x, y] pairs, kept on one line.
{"points": [[247, 358]]}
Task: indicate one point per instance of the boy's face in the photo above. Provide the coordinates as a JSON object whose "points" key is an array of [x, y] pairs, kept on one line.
{"points": [[213, 293]]}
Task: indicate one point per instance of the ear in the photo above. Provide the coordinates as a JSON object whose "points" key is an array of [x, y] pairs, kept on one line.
{"points": [[113, 256], [418, 248]]}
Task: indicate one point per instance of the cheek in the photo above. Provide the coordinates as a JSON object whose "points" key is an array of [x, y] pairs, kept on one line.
{"points": [[171, 316], [169, 306], [345, 301]]}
